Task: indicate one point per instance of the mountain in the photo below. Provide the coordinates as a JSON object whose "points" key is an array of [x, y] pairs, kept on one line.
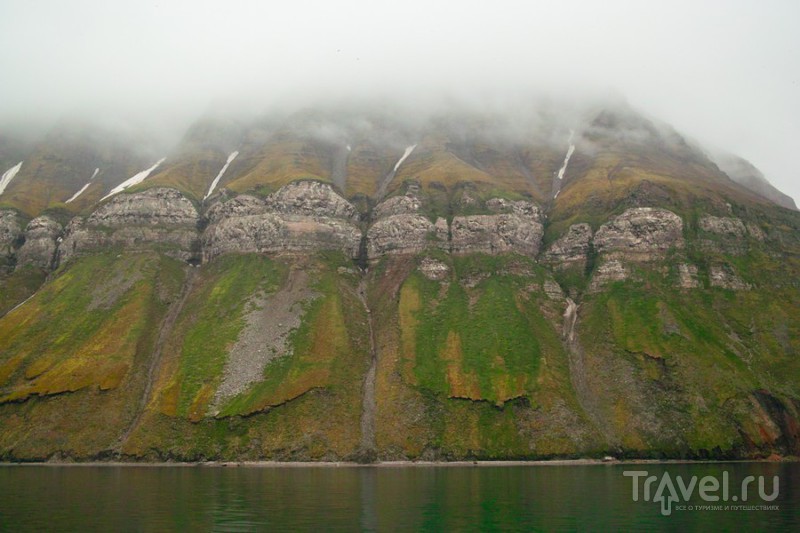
{"points": [[74, 154], [360, 284], [744, 173]]}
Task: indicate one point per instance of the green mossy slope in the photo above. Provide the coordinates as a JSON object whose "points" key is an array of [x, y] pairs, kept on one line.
{"points": [[307, 406], [73, 358]]}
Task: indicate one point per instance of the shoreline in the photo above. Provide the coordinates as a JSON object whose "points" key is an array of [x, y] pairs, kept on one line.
{"points": [[395, 464]]}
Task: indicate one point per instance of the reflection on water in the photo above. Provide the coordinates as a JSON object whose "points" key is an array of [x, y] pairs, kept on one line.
{"points": [[515, 498]]}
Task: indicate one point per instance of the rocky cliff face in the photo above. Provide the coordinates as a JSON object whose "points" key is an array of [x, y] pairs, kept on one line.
{"points": [[571, 248], [723, 226], [303, 216], [10, 233], [241, 205], [517, 227], [273, 232], [728, 234], [159, 207], [495, 234], [641, 233], [309, 216], [407, 204], [608, 272], [400, 229], [159, 216], [311, 199], [405, 234], [41, 242]]}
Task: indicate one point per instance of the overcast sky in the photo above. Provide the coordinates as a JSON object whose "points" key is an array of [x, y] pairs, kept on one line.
{"points": [[726, 73]]}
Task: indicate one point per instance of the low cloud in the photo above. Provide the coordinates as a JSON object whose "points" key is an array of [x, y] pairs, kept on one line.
{"points": [[726, 73]]}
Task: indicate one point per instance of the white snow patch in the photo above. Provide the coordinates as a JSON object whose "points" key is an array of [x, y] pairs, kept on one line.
{"points": [[557, 193], [349, 148], [221, 172], [8, 175], [407, 153], [570, 150], [84, 187], [135, 180], [78, 193]]}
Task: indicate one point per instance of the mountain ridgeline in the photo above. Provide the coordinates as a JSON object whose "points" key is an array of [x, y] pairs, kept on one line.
{"points": [[357, 285]]}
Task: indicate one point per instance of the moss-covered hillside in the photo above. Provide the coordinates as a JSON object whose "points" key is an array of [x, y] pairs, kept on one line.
{"points": [[371, 288]]}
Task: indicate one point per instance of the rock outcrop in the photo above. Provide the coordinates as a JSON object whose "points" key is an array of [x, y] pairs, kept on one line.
{"points": [[553, 290], [154, 207], [723, 276], [41, 243], [641, 233], [434, 269], [728, 226], [274, 232], [397, 205], [159, 216], [608, 272], [10, 233], [242, 205], [517, 207], [399, 228], [726, 235], [304, 216], [687, 275], [571, 248], [403, 234], [756, 232], [310, 198], [495, 234]]}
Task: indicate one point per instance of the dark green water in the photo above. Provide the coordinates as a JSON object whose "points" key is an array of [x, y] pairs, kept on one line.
{"points": [[481, 498]]}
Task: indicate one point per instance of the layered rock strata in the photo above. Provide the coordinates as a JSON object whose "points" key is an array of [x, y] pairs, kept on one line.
{"points": [[302, 216], [160, 216], [495, 234], [400, 228], [608, 272], [10, 233], [570, 249], [641, 233], [727, 234], [41, 243]]}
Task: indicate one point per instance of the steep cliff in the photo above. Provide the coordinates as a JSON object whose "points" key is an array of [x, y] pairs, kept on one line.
{"points": [[159, 216], [439, 292], [10, 233], [41, 236], [304, 216]]}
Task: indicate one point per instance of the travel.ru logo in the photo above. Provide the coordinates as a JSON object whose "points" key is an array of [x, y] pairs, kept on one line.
{"points": [[679, 492]]}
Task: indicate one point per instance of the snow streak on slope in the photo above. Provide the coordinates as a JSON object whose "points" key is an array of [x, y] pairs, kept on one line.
{"points": [[221, 172], [8, 175], [84, 187], [386, 180], [570, 150], [407, 153], [135, 180]]}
